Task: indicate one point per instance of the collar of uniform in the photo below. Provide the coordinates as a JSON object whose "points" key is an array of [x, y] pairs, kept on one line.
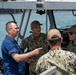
{"points": [[54, 51], [37, 38]]}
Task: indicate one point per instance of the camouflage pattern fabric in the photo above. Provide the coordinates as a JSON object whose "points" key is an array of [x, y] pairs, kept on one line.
{"points": [[72, 47], [65, 62], [32, 43]]}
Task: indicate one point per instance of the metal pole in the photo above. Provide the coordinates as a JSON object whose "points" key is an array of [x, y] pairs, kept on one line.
{"points": [[27, 23], [51, 19], [21, 24]]}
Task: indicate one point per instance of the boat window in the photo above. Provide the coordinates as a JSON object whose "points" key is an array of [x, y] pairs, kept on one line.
{"points": [[64, 19]]}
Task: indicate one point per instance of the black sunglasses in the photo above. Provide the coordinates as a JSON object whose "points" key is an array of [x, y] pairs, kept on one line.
{"points": [[71, 33]]}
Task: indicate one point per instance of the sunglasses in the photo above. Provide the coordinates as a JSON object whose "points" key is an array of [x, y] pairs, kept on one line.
{"points": [[71, 33]]}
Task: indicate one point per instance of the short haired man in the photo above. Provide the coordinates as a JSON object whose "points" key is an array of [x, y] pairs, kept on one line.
{"points": [[35, 40], [13, 59], [65, 61], [72, 37]]}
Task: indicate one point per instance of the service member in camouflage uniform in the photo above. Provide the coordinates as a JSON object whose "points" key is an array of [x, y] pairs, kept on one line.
{"points": [[35, 40], [72, 37], [65, 61]]}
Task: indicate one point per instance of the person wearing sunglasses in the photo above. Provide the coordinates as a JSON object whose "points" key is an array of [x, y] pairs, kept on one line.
{"points": [[65, 61], [72, 37]]}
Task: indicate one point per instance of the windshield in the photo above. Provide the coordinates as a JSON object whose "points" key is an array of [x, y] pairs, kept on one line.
{"points": [[64, 19]]}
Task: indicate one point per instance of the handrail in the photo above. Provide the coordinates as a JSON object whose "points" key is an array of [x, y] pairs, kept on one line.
{"points": [[10, 14]]}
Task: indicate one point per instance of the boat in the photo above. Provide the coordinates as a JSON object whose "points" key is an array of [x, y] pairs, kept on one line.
{"points": [[13, 11], [41, 7]]}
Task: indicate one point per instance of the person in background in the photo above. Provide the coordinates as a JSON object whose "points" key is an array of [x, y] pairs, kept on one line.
{"points": [[35, 40], [13, 59], [65, 61], [72, 37]]}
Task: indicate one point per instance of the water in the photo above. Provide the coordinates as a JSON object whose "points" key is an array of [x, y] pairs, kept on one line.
{"points": [[62, 19]]}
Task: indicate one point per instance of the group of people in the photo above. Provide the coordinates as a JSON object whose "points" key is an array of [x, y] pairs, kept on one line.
{"points": [[38, 57]]}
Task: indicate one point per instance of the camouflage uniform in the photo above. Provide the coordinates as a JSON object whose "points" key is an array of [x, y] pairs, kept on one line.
{"points": [[65, 62], [72, 47], [32, 43]]}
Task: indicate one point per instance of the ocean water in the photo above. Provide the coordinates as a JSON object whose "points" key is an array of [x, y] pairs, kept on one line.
{"points": [[61, 18]]}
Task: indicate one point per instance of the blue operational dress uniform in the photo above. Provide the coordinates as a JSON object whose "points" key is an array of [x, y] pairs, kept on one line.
{"points": [[11, 67]]}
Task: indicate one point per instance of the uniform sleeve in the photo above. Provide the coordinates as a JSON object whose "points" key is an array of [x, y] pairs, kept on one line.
{"points": [[75, 65], [23, 44], [11, 48], [41, 65], [69, 47], [37, 68], [71, 63]]}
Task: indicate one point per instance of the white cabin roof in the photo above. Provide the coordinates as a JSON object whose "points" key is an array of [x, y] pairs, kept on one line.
{"points": [[47, 5], [52, 0]]}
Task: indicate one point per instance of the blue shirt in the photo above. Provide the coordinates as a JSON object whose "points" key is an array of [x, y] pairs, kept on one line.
{"points": [[11, 67]]}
